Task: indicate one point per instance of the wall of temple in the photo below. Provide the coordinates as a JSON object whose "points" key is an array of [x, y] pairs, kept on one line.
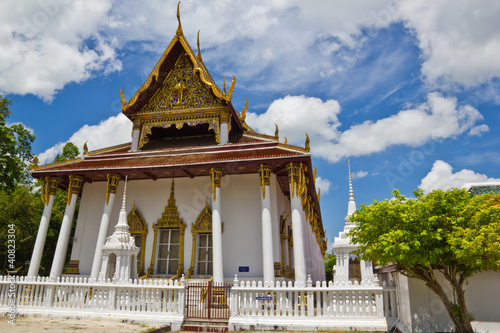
{"points": [[241, 215]]}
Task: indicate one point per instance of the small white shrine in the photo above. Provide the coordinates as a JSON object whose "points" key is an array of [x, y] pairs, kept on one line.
{"points": [[119, 253], [349, 269]]}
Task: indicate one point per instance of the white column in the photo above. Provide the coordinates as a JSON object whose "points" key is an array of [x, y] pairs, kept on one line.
{"points": [[224, 133], [267, 227], [64, 234], [294, 171], [135, 140], [216, 174], [298, 241], [50, 187], [136, 132], [113, 180]]}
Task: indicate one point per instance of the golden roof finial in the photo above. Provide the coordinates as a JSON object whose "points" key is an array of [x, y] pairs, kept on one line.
{"points": [[286, 140], [179, 28], [124, 102], [34, 164], [314, 173], [277, 132], [198, 56], [244, 112], [85, 148], [229, 93], [308, 148], [319, 193]]}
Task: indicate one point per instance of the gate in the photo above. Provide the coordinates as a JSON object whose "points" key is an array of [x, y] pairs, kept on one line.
{"points": [[208, 300]]}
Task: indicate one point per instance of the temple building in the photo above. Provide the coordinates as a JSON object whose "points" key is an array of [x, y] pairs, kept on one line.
{"points": [[207, 196]]}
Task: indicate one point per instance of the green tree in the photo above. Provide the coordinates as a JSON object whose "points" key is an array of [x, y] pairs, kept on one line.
{"points": [[15, 149], [450, 232], [21, 208], [330, 261], [70, 151]]}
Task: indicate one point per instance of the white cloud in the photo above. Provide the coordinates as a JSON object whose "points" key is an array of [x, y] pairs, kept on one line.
{"points": [[459, 40], [442, 177], [48, 44], [323, 184], [478, 130], [438, 118], [268, 44], [112, 131], [359, 174]]}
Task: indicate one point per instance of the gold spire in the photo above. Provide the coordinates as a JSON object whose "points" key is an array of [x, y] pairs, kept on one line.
{"points": [[85, 148], [198, 56], [307, 143], [277, 133], [179, 28], [286, 140]]}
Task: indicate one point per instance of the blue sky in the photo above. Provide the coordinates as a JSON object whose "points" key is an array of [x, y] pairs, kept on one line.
{"points": [[407, 90]]}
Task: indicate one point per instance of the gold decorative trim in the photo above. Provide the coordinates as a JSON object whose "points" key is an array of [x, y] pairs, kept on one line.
{"points": [[138, 226], [277, 132], [54, 164], [34, 163], [307, 147], [265, 177], [293, 177], [283, 237], [49, 187], [113, 180], [170, 219], [215, 177], [74, 187], [72, 267], [147, 127]]}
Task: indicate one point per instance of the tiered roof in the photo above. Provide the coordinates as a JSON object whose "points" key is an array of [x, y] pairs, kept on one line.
{"points": [[180, 106]]}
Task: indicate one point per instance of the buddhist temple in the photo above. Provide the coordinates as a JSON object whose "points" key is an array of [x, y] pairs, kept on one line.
{"points": [[207, 196]]}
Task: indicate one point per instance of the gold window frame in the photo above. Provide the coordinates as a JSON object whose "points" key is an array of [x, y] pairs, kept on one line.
{"points": [[138, 226]]}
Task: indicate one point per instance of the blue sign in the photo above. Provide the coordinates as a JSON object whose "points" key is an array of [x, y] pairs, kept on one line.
{"points": [[263, 298], [244, 269]]}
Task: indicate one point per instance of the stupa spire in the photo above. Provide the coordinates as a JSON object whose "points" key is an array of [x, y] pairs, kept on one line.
{"points": [[351, 207]]}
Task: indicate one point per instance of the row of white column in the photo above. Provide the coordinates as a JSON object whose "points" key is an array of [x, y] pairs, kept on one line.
{"points": [[299, 229], [50, 186]]}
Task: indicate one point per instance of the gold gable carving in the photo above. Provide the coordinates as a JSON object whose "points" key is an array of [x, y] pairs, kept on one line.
{"points": [[182, 89]]}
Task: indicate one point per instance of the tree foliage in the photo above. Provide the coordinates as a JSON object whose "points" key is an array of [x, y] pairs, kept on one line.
{"points": [[69, 152], [330, 261], [450, 232], [15, 149]]}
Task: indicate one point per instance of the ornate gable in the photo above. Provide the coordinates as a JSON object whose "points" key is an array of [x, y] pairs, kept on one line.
{"points": [[182, 89]]}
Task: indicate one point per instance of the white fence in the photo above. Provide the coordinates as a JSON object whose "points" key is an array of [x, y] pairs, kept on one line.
{"points": [[79, 296], [302, 303], [161, 301]]}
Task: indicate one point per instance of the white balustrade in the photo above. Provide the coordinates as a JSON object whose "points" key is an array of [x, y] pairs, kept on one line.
{"points": [[66, 294], [289, 299]]}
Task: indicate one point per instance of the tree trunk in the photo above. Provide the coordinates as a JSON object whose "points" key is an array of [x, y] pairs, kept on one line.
{"points": [[462, 325]]}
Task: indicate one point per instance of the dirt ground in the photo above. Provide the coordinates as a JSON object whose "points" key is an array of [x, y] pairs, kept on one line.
{"points": [[59, 325]]}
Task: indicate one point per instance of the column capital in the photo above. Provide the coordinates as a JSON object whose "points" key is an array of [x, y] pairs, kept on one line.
{"points": [[74, 187], [113, 180], [215, 177], [136, 124], [49, 187], [265, 177], [224, 116]]}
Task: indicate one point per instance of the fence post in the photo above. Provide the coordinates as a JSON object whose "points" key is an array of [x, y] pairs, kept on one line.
{"points": [[379, 302], [181, 297]]}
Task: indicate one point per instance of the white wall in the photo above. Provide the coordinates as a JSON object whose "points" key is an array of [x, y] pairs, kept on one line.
{"points": [[241, 215], [428, 313]]}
